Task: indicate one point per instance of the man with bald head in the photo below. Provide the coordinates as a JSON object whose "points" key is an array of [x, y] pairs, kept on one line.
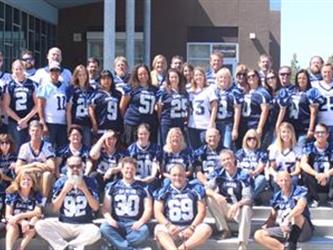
{"points": [[289, 221]]}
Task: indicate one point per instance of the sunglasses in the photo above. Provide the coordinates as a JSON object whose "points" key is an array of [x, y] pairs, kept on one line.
{"points": [[285, 74], [240, 74], [251, 138], [320, 132], [251, 76], [27, 59], [72, 166], [5, 142], [271, 78]]}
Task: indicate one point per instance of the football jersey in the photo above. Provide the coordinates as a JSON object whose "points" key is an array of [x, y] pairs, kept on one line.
{"points": [[5, 162], [286, 160], [180, 206], [107, 111], [56, 98], [227, 100], [107, 161], [121, 83], [75, 207], [127, 199], [175, 107], [42, 76], [233, 188], [284, 205], [211, 77], [274, 109], [251, 110], [184, 157], [325, 112], [200, 116], [79, 99], [141, 107], [5, 77], [22, 205], [144, 157], [3, 187], [21, 97], [320, 160], [65, 152], [206, 160], [249, 159], [27, 154]]}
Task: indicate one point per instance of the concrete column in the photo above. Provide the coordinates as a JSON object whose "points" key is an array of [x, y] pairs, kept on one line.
{"points": [[147, 31], [130, 32], [109, 33]]}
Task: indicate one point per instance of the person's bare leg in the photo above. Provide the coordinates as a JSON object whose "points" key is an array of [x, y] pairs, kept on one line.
{"points": [[199, 237], [262, 237], [11, 236]]}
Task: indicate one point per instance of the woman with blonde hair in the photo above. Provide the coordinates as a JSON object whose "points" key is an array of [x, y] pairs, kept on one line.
{"points": [[23, 209], [284, 155], [158, 73], [252, 159]]}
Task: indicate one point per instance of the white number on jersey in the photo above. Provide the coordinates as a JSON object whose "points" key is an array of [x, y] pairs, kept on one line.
{"points": [[233, 198], [112, 111], [247, 106], [127, 205], [294, 109], [146, 104], [75, 206], [178, 108], [21, 101], [181, 209], [81, 108]]}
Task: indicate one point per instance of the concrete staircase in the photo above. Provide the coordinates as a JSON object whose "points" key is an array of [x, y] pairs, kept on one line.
{"points": [[322, 240]]}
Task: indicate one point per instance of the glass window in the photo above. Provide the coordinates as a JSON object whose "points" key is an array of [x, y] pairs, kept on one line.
{"points": [[2, 10]]}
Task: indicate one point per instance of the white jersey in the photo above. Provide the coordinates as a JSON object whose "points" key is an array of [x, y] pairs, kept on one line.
{"points": [[42, 76], [325, 112], [286, 160], [201, 109], [27, 154], [56, 99]]}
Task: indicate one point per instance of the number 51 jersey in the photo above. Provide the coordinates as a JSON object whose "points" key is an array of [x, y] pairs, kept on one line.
{"points": [[180, 206], [127, 199]]}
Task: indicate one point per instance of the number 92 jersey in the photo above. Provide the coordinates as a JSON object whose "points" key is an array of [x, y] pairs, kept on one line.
{"points": [[141, 107], [75, 208], [127, 200], [180, 206]]}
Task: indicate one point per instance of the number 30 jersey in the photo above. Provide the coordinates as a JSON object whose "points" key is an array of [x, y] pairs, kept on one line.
{"points": [[180, 206], [75, 208], [127, 199]]}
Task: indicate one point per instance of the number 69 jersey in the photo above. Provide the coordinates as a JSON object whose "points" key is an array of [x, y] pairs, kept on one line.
{"points": [[180, 206], [127, 199], [75, 208]]}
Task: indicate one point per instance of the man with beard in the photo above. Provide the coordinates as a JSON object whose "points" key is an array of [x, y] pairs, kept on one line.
{"points": [[122, 75], [316, 63], [93, 71], [29, 63], [75, 197]]}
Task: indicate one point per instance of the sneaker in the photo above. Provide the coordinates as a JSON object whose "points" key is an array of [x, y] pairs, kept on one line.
{"points": [[242, 246], [224, 235], [314, 204]]}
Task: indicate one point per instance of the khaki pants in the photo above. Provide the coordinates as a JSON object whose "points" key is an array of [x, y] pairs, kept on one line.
{"points": [[243, 218], [56, 233]]}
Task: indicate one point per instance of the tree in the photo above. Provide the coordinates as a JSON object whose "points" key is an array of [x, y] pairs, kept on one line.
{"points": [[294, 66], [330, 59]]}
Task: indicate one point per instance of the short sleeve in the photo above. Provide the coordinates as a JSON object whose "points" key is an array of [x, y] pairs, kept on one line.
{"points": [[283, 98], [10, 199], [42, 91], [23, 153], [314, 97]]}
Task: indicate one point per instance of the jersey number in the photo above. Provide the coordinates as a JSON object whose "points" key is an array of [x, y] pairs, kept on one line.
{"points": [[147, 103], [75, 206], [127, 205], [61, 101], [327, 105], [21, 101], [247, 106], [199, 107], [178, 108], [112, 111], [181, 210], [294, 109], [223, 112], [143, 168], [81, 108]]}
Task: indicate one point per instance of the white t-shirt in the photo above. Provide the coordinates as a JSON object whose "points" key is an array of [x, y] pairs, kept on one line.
{"points": [[325, 112]]}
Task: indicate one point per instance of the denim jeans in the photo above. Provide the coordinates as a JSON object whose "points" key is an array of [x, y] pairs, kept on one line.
{"points": [[226, 136], [259, 185], [124, 238], [57, 135], [87, 136], [19, 136], [196, 137]]}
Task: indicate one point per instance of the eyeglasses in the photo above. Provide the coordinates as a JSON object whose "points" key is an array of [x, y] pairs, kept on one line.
{"points": [[251, 76], [320, 132], [27, 59], [72, 166], [55, 70], [270, 78], [251, 138], [240, 74], [285, 74], [5, 142]]}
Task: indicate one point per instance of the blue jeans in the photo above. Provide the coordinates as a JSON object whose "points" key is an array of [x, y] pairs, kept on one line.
{"points": [[87, 136], [19, 136], [259, 185], [226, 136], [57, 135], [196, 137], [124, 238]]}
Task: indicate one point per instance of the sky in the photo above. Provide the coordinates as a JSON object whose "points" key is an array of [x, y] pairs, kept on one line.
{"points": [[306, 29]]}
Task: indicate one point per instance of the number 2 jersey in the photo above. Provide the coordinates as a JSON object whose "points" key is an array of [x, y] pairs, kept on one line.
{"points": [[127, 199], [21, 97], [180, 205], [75, 207]]}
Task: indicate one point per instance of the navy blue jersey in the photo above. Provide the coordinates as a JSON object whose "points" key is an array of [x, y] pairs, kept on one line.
{"points": [[145, 157], [21, 96], [175, 107], [65, 152], [127, 199], [141, 107], [3, 187], [185, 157], [298, 106], [234, 188], [274, 109], [5, 162], [107, 112], [75, 207], [251, 110], [206, 160], [284, 205], [21, 205], [320, 160], [121, 83], [249, 159], [227, 100], [79, 99], [180, 206], [107, 161]]}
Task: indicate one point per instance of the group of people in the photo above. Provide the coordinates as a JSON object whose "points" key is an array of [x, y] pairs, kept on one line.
{"points": [[163, 143]]}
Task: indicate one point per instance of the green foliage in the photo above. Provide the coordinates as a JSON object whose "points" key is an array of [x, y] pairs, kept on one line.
{"points": [[330, 59], [294, 67]]}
